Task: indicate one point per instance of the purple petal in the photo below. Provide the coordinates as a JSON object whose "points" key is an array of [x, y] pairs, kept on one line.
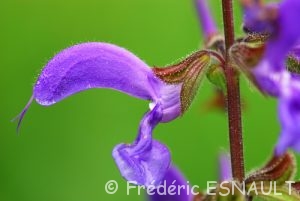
{"points": [[295, 52], [282, 42], [268, 78], [225, 167], [207, 23], [289, 115], [172, 178], [146, 161], [288, 34], [94, 65], [169, 101], [258, 18], [101, 65]]}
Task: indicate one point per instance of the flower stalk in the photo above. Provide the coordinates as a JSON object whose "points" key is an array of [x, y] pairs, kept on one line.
{"points": [[233, 98]]}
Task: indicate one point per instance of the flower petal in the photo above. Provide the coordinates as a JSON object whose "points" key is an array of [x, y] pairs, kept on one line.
{"points": [[296, 51], [289, 115], [93, 65], [286, 36], [169, 101], [258, 18], [267, 78], [225, 167], [208, 25], [102, 65], [169, 189], [146, 161]]}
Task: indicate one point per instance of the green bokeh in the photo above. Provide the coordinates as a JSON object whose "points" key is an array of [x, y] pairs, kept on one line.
{"points": [[64, 151]]}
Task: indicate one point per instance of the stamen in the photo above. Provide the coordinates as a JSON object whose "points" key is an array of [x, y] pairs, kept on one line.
{"points": [[20, 116]]}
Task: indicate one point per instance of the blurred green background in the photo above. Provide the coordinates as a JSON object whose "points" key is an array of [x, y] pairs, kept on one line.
{"points": [[63, 152]]}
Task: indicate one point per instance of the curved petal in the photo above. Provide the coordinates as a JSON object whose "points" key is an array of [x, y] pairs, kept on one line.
{"points": [[102, 65], [146, 161], [94, 65], [172, 178]]}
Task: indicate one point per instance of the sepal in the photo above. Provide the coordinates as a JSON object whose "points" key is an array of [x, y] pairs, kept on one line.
{"points": [[189, 73], [246, 53], [279, 169], [293, 64]]}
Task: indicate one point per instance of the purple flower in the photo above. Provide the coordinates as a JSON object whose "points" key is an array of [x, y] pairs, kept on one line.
{"points": [[207, 23], [173, 188], [259, 18], [102, 65], [289, 114], [225, 167], [271, 73]]}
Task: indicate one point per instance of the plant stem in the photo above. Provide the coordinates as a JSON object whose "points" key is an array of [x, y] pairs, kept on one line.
{"points": [[233, 98]]}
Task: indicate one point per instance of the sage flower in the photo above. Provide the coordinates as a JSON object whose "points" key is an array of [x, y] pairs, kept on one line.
{"points": [[272, 73], [170, 91], [102, 65], [207, 23]]}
